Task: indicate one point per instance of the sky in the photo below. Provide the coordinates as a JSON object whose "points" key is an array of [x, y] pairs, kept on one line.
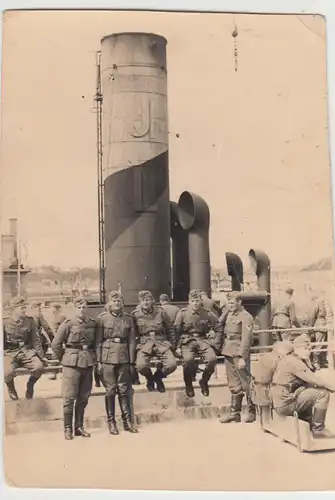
{"points": [[253, 142]]}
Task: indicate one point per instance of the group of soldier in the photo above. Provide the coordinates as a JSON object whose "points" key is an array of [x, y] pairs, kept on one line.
{"points": [[119, 345]]}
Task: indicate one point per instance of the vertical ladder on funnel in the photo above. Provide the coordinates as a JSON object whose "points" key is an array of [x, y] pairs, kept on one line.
{"points": [[98, 107]]}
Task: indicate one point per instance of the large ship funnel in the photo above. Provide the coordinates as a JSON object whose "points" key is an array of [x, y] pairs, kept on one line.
{"points": [[135, 164]]}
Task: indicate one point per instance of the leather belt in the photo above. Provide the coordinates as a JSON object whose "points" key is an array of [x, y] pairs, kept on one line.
{"points": [[116, 340], [82, 347]]}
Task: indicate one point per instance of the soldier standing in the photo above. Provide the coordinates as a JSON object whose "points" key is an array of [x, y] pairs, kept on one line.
{"points": [[170, 309], [57, 318], [210, 304], [318, 318], [78, 335], [22, 348], [193, 324], [47, 335], [116, 352], [295, 387], [284, 316], [156, 337], [238, 336]]}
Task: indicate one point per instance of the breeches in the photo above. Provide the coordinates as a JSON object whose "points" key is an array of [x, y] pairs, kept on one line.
{"points": [[33, 364], [305, 401], [238, 379], [198, 348], [116, 378], [76, 386], [166, 358]]}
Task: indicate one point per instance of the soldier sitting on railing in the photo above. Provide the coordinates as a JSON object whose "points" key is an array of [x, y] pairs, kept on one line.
{"points": [[263, 371], [155, 338], [193, 323], [296, 388], [22, 348]]}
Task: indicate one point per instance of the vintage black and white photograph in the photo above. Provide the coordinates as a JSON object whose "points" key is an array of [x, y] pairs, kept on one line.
{"points": [[166, 252]]}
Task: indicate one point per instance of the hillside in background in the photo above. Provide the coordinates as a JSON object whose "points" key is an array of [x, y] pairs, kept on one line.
{"points": [[325, 264]]}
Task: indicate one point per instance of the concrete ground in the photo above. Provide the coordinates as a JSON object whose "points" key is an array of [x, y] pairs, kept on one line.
{"points": [[183, 455]]}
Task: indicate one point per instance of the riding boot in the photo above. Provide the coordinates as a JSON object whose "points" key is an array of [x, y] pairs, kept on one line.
{"points": [[318, 424], [203, 383], [189, 386], [251, 411], [12, 391], [235, 410], [30, 386], [79, 422], [158, 378], [68, 426], [150, 381], [110, 411], [125, 413]]}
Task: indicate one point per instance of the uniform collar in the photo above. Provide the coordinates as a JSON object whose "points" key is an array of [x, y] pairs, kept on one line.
{"points": [[116, 314], [82, 320], [195, 312], [147, 311]]}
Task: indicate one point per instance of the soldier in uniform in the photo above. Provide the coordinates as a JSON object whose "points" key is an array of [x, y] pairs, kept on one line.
{"points": [[284, 315], [170, 309], [43, 329], [156, 337], [238, 336], [295, 387], [22, 348], [193, 324], [57, 318], [210, 304], [264, 369], [78, 335], [116, 352], [318, 318]]}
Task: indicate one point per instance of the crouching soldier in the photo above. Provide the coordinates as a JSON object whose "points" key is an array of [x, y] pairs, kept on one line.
{"points": [[238, 334], [296, 388], [193, 324], [155, 338], [22, 348], [264, 370], [78, 335], [116, 350]]}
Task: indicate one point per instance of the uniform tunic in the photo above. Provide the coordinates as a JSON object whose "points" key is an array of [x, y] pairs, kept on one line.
{"points": [[284, 316], [172, 311], [192, 329], [116, 350], [42, 324], [238, 336], [78, 336], [22, 347], [292, 387]]}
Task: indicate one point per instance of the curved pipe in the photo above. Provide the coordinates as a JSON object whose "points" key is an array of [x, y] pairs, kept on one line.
{"points": [[180, 257], [260, 262], [194, 217], [235, 270]]}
